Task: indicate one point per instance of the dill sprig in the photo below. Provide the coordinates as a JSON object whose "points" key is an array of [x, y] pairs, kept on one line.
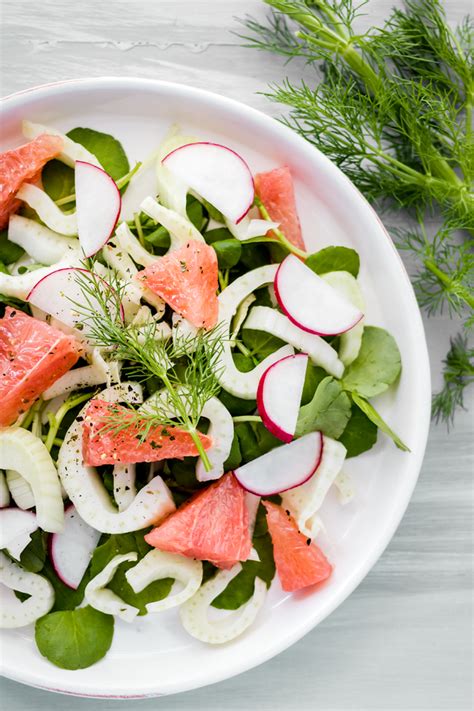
{"points": [[458, 374], [186, 366]]}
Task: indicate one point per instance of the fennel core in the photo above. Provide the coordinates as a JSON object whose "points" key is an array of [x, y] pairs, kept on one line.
{"points": [[187, 367]]}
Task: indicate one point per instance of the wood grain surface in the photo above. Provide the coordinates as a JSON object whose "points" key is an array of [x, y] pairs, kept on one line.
{"points": [[403, 640]]}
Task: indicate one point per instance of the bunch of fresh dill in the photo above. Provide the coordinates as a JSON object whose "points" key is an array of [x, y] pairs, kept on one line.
{"points": [[393, 108]]}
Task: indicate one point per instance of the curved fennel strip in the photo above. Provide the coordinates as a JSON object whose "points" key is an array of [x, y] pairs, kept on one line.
{"points": [[124, 267], [351, 340], [171, 190], [22, 451], [157, 565], [13, 612], [194, 612], [97, 373], [124, 485], [345, 488], [85, 488], [243, 385], [19, 286], [21, 492], [180, 228], [305, 501], [221, 432], [41, 243], [4, 491], [264, 318], [71, 152], [101, 598], [184, 332], [48, 212], [248, 228]]}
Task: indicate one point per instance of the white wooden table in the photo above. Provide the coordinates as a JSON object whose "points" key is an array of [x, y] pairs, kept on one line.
{"points": [[403, 639]]}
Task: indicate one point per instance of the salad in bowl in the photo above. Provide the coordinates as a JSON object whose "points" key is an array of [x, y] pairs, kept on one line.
{"points": [[182, 383]]}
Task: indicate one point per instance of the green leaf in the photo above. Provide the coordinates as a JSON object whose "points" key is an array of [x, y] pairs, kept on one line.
{"points": [[314, 375], [376, 367], [259, 343], [34, 555], [58, 180], [241, 588], [74, 639], [213, 211], [374, 416], [329, 411], [9, 251], [228, 252], [235, 456], [195, 212], [126, 543], [360, 433], [217, 235], [254, 440], [64, 597], [108, 151], [334, 259]]}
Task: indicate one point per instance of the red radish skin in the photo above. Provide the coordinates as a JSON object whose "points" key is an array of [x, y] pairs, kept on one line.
{"points": [[269, 423], [318, 332], [292, 479], [251, 196], [299, 562], [90, 211]]}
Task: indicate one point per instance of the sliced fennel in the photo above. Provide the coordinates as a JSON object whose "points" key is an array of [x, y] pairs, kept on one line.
{"points": [[13, 612], [97, 373], [19, 286], [21, 492], [48, 212], [41, 243], [71, 152], [221, 432], [101, 598], [305, 501], [345, 488], [124, 267], [243, 385], [85, 488], [183, 332], [124, 485], [194, 612], [157, 565], [171, 190], [16, 528], [180, 228], [248, 228], [22, 451], [4, 491], [351, 340], [263, 318], [131, 246]]}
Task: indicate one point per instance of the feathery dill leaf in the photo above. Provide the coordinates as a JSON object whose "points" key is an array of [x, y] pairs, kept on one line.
{"points": [[458, 374]]}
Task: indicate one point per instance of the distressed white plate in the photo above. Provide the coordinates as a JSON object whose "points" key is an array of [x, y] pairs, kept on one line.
{"points": [[155, 656]]}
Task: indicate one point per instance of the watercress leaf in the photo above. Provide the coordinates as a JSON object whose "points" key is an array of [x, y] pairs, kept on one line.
{"points": [[58, 180], [374, 416], [235, 456], [360, 433], [376, 367], [213, 211], [3, 268], [228, 252], [334, 259], [254, 255], [159, 237], [259, 343], [217, 235], [65, 598], [329, 410], [9, 251], [254, 440], [314, 375], [74, 639], [236, 405], [34, 555], [108, 151], [195, 212]]}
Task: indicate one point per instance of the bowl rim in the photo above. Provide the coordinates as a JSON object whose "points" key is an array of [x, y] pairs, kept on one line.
{"points": [[386, 534]]}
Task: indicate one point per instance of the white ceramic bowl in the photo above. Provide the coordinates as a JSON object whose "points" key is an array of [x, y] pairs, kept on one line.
{"points": [[155, 656]]}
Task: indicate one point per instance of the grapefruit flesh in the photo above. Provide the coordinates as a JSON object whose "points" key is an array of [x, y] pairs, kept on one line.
{"points": [[101, 444], [213, 525], [22, 165], [275, 189], [187, 280], [33, 356], [299, 562]]}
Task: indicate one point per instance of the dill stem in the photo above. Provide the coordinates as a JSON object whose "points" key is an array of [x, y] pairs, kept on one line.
{"points": [[281, 237], [247, 418], [446, 281]]}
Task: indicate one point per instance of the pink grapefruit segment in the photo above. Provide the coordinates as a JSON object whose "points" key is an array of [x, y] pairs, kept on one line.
{"points": [[101, 445], [22, 165], [33, 356], [299, 562], [275, 189], [213, 525], [187, 280]]}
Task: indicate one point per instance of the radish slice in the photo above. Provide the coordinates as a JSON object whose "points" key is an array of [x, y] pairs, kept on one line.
{"points": [[22, 451], [19, 286], [20, 490], [85, 488], [98, 205], [171, 189], [194, 612], [101, 598], [263, 318], [221, 432], [71, 550], [282, 468], [16, 527], [41, 243], [4, 492], [243, 385], [47, 210], [216, 173], [180, 228], [59, 291], [348, 286], [71, 152], [279, 395], [311, 303], [305, 501], [157, 565], [13, 612]]}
